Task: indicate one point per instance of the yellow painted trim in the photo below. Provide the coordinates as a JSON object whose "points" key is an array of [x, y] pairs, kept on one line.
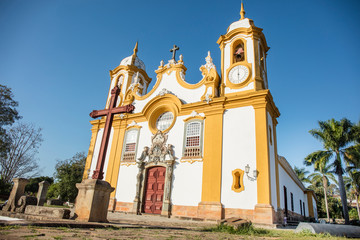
{"points": [[127, 164], [190, 160], [238, 180], [134, 126], [94, 132], [211, 181], [248, 32], [262, 155], [197, 117], [158, 105], [113, 168]]}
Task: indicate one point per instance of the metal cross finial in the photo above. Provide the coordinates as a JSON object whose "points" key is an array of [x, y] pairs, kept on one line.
{"points": [[173, 50]]}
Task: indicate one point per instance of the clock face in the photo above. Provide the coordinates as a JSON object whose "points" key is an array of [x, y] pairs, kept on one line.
{"points": [[238, 74]]}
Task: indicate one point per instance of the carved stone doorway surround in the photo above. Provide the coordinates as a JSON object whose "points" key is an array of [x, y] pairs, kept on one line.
{"points": [[158, 155]]}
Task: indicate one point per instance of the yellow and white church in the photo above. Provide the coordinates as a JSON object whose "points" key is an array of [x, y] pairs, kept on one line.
{"points": [[206, 150]]}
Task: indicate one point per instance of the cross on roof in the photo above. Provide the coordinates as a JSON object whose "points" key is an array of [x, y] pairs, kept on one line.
{"points": [[173, 50]]}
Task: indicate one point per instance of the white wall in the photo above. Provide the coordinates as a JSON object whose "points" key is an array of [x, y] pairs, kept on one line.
{"points": [[239, 149], [96, 151], [126, 185], [108, 150], [271, 145], [292, 187]]}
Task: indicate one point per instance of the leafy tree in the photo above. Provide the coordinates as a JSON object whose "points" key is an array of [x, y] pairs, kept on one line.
{"points": [[335, 137], [353, 184], [68, 173], [322, 174], [33, 186], [20, 161], [8, 115], [301, 174]]}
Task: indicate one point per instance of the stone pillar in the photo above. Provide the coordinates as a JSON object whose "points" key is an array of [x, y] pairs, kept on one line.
{"points": [[16, 192], [92, 201], [166, 208], [41, 194], [139, 177]]}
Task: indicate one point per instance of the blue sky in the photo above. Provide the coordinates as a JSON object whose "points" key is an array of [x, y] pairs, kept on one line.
{"points": [[56, 56]]}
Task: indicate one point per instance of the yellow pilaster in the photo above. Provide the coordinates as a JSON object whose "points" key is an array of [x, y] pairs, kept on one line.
{"points": [[211, 182], [112, 172], [94, 132], [310, 204], [262, 154]]}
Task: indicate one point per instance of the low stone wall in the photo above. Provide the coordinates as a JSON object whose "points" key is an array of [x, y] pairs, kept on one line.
{"points": [[50, 212]]}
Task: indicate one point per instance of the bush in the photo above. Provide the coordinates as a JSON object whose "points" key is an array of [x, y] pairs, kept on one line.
{"points": [[353, 214]]}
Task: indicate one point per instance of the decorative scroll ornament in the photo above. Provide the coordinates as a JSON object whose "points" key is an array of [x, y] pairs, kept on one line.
{"points": [[158, 152], [165, 91], [212, 79]]}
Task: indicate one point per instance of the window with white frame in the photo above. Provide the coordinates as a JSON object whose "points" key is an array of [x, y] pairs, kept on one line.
{"points": [[164, 121], [193, 139], [129, 150]]}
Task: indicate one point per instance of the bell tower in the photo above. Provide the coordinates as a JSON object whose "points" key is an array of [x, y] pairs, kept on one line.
{"points": [[243, 57]]}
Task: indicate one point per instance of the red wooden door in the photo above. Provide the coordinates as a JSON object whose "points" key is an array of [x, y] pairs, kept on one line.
{"points": [[154, 191]]}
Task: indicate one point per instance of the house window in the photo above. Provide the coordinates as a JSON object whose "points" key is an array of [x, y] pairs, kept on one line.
{"points": [[304, 208], [301, 208], [130, 143], [193, 139], [292, 202]]}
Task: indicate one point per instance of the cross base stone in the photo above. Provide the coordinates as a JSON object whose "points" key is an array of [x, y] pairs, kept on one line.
{"points": [[92, 201]]}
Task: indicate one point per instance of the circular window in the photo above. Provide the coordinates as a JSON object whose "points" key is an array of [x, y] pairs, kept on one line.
{"points": [[164, 121]]}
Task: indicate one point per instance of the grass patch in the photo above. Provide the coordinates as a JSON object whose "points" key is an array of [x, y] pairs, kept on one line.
{"points": [[247, 229], [56, 206], [250, 230], [9, 227]]}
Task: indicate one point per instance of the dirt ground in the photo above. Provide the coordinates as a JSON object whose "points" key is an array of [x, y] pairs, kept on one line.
{"points": [[31, 232]]}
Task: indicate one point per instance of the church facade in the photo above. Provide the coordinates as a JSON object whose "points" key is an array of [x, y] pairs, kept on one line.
{"points": [[206, 150]]}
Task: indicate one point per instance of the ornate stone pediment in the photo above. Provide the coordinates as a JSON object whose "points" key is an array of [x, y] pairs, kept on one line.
{"points": [[159, 151]]}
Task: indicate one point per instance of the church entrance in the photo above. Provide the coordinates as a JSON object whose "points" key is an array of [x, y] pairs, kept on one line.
{"points": [[154, 191]]}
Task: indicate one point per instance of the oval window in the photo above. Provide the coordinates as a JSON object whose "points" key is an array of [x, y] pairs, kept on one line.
{"points": [[164, 121]]}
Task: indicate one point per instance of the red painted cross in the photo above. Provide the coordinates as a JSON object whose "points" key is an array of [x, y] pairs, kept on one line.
{"points": [[109, 113]]}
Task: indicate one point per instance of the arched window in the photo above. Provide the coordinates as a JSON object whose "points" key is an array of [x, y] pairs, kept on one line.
{"points": [[239, 53], [193, 139], [129, 150]]}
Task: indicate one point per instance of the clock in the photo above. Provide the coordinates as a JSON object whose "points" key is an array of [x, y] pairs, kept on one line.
{"points": [[238, 74]]}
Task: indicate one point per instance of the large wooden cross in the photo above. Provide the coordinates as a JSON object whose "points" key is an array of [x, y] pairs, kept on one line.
{"points": [[109, 113]]}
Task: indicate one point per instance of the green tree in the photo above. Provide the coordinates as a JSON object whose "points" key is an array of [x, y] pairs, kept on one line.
{"points": [[33, 186], [322, 174], [335, 137], [8, 115], [68, 173], [301, 174]]}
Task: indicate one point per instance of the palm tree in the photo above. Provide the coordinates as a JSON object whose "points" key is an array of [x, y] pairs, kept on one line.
{"points": [[335, 137], [301, 174], [322, 174], [353, 184]]}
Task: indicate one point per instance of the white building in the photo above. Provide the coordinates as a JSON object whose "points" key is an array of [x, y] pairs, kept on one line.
{"points": [[205, 150]]}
